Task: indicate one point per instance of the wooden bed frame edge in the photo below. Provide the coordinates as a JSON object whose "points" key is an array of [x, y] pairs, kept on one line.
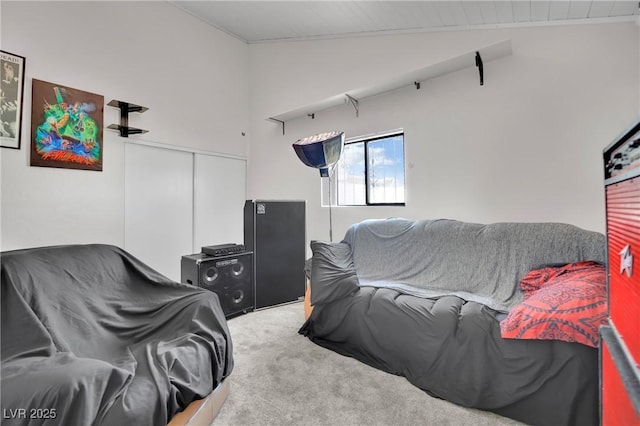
{"points": [[203, 411]]}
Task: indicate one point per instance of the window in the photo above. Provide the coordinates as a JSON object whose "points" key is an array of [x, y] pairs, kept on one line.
{"points": [[371, 171]]}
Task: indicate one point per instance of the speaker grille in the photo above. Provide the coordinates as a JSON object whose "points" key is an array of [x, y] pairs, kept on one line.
{"points": [[276, 233], [230, 277], [210, 276]]}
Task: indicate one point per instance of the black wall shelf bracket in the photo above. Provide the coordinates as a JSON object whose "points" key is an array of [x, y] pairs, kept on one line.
{"points": [[125, 109], [480, 67], [275, 120], [354, 103]]}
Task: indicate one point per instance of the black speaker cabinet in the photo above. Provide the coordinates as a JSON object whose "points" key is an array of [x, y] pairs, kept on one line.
{"points": [[230, 277], [275, 232]]}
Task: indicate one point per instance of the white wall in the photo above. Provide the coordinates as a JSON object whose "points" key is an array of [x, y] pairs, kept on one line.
{"points": [[526, 146], [192, 77]]}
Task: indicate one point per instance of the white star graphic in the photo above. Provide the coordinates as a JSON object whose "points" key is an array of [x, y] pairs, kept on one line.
{"points": [[626, 261]]}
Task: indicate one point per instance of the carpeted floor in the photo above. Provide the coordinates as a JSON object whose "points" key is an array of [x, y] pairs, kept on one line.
{"points": [[282, 378]]}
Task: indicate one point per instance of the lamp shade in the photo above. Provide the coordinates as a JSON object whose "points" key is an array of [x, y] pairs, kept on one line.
{"points": [[321, 151]]}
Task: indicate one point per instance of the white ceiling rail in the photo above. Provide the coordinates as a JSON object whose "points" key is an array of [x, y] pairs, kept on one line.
{"points": [[473, 58]]}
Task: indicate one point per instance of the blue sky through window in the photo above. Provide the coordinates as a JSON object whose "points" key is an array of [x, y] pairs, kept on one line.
{"points": [[385, 169]]}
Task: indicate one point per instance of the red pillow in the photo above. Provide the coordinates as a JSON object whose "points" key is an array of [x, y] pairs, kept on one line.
{"points": [[565, 303]]}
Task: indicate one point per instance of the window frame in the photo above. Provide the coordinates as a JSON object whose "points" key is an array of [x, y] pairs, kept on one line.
{"points": [[365, 140]]}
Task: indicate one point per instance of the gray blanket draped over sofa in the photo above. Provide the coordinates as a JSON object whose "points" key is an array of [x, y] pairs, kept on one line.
{"points": [[92, 336], [424, 299], [480, 263]]}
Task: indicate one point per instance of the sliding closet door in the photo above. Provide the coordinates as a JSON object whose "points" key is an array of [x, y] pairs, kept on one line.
{"points": [[219, 196], [158, 206]]}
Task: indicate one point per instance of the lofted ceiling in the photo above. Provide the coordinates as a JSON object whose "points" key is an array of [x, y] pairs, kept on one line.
{"points": [[264, 21]]}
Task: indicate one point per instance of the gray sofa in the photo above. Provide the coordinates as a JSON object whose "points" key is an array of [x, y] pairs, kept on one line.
{"points": [[424, 299]]}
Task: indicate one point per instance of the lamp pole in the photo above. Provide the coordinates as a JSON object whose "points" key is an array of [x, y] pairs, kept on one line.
{"points": [[330, 212]]}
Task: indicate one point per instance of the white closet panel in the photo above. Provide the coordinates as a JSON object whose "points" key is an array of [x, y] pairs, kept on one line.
{"points": [[158, 206], [219, 196]]}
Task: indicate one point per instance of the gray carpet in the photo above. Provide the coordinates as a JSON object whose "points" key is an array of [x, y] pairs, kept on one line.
{"points": [[282, 378]]}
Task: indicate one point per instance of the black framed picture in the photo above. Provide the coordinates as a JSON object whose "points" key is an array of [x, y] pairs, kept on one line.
{"points": [[11, 96]]}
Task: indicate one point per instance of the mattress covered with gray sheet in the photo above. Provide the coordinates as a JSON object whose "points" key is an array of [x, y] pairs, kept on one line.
{"points": [[92, 336]]}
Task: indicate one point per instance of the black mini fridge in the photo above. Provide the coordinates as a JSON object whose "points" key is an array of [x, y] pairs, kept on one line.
{"points": [[275, 231]]}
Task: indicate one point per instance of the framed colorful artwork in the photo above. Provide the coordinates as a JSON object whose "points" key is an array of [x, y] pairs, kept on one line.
{"points": [[66, 127], [11, 93]]}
